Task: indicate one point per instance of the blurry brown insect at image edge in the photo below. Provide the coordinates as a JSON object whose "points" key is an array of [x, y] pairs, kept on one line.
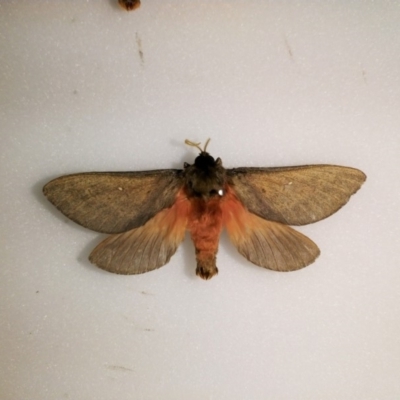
{"points": [[129, 5]]}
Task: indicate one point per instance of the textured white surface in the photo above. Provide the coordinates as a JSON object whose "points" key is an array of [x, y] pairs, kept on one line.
{"points": [[272, 84]]}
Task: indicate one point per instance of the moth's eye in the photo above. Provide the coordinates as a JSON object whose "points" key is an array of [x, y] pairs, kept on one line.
{"points": [[220, 192]]}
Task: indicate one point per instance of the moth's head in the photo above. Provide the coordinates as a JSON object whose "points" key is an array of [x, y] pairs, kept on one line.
{"points": [[204, 161], [206, 177]]}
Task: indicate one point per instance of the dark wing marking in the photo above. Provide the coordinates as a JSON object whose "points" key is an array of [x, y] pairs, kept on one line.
{"points": [[114, 202], [295, 195]]}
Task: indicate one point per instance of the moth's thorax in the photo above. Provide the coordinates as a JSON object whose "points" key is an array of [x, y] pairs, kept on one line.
{"points": [[206, 178]]}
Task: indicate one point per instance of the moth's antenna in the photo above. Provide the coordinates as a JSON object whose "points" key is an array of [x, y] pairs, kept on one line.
{"points": [[189, 143], [197, 145], [205, 146]]}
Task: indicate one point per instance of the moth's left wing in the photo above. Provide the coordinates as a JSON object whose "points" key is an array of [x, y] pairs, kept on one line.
{"points": [[295, 195], [145, 248], [114, 202], [265, 243]]}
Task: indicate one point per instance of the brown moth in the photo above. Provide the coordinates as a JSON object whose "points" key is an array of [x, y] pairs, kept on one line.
{"points": [[129, 5], [148, 212]]}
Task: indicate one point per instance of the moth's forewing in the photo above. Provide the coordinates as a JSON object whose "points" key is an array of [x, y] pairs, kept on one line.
{"points": [[295, 195], [265, 243], [129, 5], [114, 202], [148, 247]]}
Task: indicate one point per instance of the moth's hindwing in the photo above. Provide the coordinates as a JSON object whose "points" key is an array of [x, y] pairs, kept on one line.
{"points": [[265, 243], [147, 247]]}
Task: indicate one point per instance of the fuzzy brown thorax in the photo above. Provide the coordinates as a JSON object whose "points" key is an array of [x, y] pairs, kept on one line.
{"points": [[205, 178]]}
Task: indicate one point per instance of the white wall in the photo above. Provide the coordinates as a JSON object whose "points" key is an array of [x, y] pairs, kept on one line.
{"points": [[272, 83]]}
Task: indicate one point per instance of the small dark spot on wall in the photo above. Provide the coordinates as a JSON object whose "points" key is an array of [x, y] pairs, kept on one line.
{"points": [[140, 48], [288, 48], [118, 368]]}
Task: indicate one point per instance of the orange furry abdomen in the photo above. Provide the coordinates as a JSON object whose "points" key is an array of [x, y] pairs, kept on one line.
{"points": [[205, 225]]}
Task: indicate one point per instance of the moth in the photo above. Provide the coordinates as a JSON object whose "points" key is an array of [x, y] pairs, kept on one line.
{"points": [[129, 5], [147, 213]]}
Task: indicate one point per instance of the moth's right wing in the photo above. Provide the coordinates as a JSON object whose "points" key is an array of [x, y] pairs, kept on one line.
{"points": [[148, 247], [114, 202]]}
